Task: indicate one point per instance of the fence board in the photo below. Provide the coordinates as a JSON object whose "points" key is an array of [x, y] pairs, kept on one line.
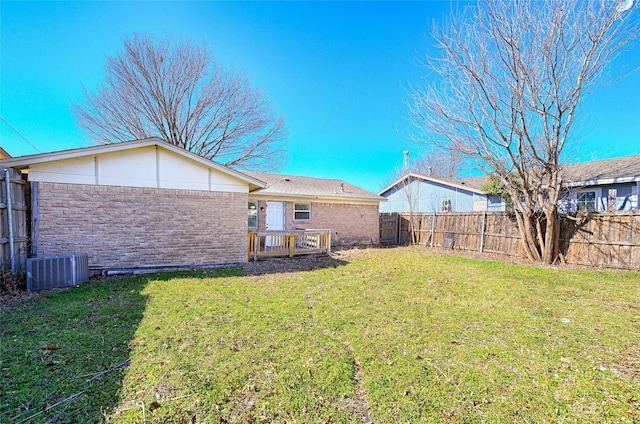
{"points": [[19, 215], [607, 239]]}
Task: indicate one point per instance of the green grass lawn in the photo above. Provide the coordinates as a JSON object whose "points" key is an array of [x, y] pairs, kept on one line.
{"points": [[388, 336]]}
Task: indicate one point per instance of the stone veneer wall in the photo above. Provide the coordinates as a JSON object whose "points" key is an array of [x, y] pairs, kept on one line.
{"points": [[133, 226], [350, 224]]}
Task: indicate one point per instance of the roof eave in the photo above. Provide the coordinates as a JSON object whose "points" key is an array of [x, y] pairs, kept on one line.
{"points": [[602, 181], [265, 195], [434, 180]]}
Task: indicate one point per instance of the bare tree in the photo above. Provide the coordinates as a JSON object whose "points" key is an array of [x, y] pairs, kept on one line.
{"points": [[511, 75], [440, 163], [176, 92]]}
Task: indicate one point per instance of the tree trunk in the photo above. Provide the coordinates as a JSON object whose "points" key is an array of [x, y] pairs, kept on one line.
{"points": [[528, 235], [551, 236]]}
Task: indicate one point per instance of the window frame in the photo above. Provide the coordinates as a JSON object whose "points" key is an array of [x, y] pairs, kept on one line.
{"points": [[296, 211], [252, 213], [581, 193]]}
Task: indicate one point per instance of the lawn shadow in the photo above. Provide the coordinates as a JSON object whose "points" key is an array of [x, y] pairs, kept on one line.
{"points": [[277, 265], [573, 225], [64, 352]]}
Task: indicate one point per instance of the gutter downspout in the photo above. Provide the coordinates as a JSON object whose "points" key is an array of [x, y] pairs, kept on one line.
{"points": [[7, 180]]}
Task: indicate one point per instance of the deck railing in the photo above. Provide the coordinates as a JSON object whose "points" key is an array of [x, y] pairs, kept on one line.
{"points": [[263, 244]]}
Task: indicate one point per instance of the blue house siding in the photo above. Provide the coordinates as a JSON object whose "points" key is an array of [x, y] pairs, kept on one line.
{"points": [[430, 196], [495, 203], [626, 197], [587, 188]]}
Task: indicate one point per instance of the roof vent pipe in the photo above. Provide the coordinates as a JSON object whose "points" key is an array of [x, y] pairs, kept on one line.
{"points": [[406, 159]]}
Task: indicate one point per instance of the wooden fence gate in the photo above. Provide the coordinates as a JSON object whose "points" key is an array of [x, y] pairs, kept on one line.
{"points": [[13, 210], [390, 228]]}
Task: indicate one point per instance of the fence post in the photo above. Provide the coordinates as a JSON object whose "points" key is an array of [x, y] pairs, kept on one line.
{"points": [[7, 181], [484, 217], [35, 218], [433, 228]]}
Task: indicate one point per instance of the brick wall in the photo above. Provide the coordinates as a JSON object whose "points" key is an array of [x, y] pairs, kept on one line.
{"points": [[131, 226], [349, 223]]}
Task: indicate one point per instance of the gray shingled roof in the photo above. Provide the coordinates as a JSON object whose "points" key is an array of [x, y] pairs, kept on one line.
{"points": [[474, 183], [597, 170], [605, 169], [306, 187], [602, 171]]}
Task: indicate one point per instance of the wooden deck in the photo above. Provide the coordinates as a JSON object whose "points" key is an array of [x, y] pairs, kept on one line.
{"points": [[265, 244]]}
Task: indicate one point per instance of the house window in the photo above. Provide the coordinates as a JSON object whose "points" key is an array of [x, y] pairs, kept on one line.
{"points": [[253, 215], [302, 211], [586, 201]]}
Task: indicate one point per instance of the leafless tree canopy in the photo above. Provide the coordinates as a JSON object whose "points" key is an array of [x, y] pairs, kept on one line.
{"points": [[440, 163], [176, 92], [511, 75]]}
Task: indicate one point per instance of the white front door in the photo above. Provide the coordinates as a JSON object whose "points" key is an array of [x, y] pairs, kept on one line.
{"points": [[275, 220]]}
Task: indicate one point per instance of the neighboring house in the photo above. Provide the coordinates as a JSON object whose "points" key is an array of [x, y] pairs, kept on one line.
{"points": [[290, 202], [609, 184], [143, 202], [417, 193], [4, 154]]}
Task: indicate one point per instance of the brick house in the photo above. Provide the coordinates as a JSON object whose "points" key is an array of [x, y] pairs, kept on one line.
{"points": [[143, 202], [149, 203], [290, 202]]}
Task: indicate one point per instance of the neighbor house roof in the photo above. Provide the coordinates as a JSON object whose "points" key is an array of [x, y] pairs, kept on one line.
{"points": [[280, 185], [473, 185], [4, 154], [606, 171], [23, 162]]}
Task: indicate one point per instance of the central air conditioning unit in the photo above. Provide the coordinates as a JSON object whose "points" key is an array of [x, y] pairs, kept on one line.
{"points": [[57, 271]]}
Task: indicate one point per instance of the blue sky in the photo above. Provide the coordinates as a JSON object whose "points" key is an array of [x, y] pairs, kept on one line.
{"points": [[337, 71]]}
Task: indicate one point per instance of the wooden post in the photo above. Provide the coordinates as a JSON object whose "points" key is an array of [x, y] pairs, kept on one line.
{"points": [[8, 205], [433, 228], [249, 251], [611, 199], [292, 245], [35, 218], [256, 246], [484, 217]]}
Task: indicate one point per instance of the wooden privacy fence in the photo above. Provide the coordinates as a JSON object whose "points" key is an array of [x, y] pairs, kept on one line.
{"points": [[13, 221], [609, 239]]}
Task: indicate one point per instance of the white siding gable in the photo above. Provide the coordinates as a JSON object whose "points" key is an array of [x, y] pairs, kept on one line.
{"points": [[149, 166]]}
